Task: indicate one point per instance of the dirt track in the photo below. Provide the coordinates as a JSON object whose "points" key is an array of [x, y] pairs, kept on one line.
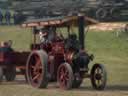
{"points": [[108, 26], [20, 88]]}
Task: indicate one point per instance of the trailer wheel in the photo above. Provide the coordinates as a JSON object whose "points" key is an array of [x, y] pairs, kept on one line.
{"points": [[36, 69], [23, 71], [1, 74], [10, 73], [65, 76], [98, 76]]}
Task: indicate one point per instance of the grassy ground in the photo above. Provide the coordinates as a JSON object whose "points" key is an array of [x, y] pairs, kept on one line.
{"points": [[107, 48]]}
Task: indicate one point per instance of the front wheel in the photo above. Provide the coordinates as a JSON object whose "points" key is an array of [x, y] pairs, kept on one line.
{"points": [[98, 76], [65, 76]]}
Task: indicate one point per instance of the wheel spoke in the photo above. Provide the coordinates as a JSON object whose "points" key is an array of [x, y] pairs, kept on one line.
{"points": [[67, 76], [61, 79], [35, 77], [38, 63], [98, 70], [40, 76], [36, 58], [33, 67], [102, 79], [64, 82], [61, 72], [98, 81], [101, 72], [35, 72]]}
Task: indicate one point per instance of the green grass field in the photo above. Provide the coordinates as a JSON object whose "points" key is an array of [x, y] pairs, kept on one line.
{"points": [[106, 47]]}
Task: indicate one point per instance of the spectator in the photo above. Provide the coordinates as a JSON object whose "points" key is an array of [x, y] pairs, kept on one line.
{"points": [[1, 17], [7, 17], [126, 28], [3, 47], [15, 18], [6, 46]]}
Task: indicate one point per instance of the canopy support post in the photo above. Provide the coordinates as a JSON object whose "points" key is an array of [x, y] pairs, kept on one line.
{"points": [[81, 25]]}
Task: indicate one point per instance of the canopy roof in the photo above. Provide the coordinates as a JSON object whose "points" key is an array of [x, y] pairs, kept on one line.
{"points": [[57, 21]]}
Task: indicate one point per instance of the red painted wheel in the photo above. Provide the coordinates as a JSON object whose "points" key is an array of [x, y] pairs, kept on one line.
{"points": [[10, 73], [65, 76], [98, 76], [36, 69]]}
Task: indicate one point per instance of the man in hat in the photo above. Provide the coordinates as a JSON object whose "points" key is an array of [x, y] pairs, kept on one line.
{"points": [[6, 46]]}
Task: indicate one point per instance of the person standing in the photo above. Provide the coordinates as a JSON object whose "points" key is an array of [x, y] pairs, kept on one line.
{"points": [[1, 17], [15, 18], [8, 17]]}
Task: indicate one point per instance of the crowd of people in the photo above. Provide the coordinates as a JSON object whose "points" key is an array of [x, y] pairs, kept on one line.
{"points": [[7, 18]]}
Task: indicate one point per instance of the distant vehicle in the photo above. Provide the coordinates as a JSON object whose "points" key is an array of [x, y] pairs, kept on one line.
{"points": [[112, 10], [102, 10]]}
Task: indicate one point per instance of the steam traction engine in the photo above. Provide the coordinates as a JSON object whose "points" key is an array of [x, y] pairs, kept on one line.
{"points": [[62, 59]]}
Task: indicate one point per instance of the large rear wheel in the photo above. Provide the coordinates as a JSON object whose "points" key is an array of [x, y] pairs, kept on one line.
{"points": [[65, 76], [98, 76], [36, 69]]}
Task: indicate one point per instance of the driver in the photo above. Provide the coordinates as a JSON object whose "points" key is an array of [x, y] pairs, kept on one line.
{"points": [[43, 36], [47, 34], [72, 43]]}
